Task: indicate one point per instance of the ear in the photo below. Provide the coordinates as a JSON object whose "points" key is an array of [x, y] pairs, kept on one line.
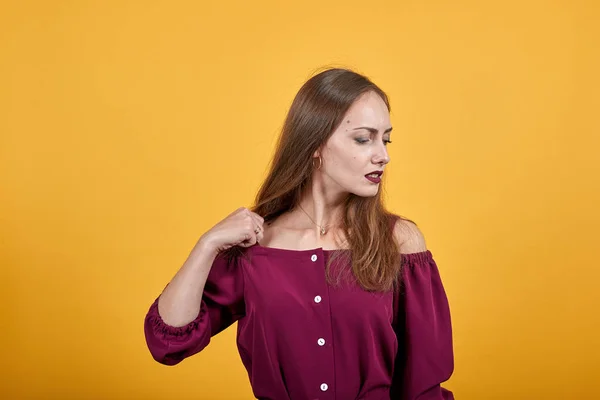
{"points": [[319, 151]]}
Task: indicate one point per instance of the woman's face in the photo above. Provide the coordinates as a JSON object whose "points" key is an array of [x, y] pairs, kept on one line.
{"points": [[358, 147]]}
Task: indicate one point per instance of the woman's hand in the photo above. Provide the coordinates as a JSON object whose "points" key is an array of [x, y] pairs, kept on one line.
{"points": [[240, 228]]}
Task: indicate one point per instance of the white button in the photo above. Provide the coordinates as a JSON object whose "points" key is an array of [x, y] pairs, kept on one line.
{"points": [[313, 257], [321, 341], [324, 386], [317, 299]]}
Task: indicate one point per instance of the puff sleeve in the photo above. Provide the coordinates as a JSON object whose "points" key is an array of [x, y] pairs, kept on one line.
{"points": [[222, 304], [425, 352]]}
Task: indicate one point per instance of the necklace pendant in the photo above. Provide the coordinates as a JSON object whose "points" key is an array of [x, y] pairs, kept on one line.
{"points": [[322, 231]]}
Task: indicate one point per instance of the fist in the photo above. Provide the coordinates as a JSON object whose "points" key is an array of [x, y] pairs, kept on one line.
{"points": [[240, 228]]}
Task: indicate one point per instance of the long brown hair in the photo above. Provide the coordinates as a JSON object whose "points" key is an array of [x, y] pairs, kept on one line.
{"points": [[316, 111]]}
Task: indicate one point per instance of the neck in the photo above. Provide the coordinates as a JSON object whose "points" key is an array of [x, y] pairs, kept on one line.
{"points": [[323, 209]]}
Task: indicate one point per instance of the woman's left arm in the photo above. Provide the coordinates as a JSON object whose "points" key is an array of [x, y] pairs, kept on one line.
{"points": [[425, 355]]}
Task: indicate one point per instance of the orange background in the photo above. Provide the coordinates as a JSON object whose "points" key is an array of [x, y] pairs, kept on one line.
{"points": [[129, 128]]}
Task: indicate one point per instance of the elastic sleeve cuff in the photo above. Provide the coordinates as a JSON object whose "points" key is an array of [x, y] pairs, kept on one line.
{"points": [[159, 326]]}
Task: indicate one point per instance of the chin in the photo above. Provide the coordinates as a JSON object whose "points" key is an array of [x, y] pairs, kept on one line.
{"points": [[366, 193]]}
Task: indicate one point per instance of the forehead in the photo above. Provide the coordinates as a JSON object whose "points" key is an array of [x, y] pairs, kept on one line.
{"points": [[368, 110]]}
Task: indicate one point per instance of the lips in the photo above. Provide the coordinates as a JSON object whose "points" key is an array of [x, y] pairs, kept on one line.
{"points": [[373, 178], [378, 173]]}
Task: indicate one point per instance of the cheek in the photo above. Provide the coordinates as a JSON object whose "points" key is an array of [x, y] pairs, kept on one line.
{"points": [[347, 166], [343, 160]]}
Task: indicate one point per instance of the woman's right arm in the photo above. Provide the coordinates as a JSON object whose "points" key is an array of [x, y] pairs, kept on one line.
{"points": [[180, 301], [204, 297]]}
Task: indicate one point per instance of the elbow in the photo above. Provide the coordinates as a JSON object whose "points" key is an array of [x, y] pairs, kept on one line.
{"points": [[170, 345]]}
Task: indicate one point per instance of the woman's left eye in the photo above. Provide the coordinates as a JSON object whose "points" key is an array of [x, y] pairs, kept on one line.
{"points": [[363, 141]]}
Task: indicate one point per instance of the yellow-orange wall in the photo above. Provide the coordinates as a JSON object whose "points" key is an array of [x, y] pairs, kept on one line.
{"points": [[129, 128]]}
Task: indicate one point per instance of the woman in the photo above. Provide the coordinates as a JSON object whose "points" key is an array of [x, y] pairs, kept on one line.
{"points": [[335, 297]]}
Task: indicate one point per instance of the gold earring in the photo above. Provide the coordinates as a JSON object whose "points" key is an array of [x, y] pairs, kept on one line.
{"points": [[320, 163]]}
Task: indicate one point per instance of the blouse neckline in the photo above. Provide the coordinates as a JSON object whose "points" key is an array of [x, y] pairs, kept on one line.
{"points": [[260, 249], [300, 252]]}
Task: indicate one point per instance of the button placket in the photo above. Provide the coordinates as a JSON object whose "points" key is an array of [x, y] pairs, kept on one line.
{"points": [[320, 341]]}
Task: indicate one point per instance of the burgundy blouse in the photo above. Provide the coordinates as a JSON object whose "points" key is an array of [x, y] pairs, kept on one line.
{"points": [[300, 338]]}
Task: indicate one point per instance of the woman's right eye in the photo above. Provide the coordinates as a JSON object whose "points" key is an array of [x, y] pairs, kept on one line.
{"points": [[361, 141]]}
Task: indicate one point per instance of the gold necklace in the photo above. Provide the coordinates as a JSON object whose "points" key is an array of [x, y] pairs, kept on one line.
{"points": [[323, 231]]}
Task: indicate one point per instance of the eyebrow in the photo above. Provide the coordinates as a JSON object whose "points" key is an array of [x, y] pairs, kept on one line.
{"points": [[372, 130]]}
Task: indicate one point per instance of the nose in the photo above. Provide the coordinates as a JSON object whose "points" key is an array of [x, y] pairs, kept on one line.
{"points": [[381, 157]]}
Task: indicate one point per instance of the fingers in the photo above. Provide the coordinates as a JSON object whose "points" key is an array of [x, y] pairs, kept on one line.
{"points": [[258, 230], [260, 220], [257, 219], [255, 228], [248, 241]]}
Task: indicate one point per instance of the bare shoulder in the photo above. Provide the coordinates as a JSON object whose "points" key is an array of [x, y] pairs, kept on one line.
{"points": [[409, 237]]}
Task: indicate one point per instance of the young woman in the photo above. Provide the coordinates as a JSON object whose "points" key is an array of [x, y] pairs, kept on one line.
{"points": [[335, 297]]}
